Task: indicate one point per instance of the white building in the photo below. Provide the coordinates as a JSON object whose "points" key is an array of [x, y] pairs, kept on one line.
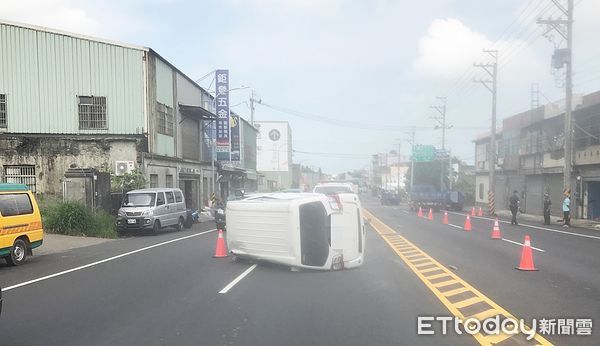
{"points": [[274, 155]]}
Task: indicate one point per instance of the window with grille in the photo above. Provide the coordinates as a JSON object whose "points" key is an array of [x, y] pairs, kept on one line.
{"points": [[3, 111], [92, 112], [169, 180], [20, 175], [164, 119]]}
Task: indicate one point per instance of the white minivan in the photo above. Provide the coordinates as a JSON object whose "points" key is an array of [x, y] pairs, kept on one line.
{"points": [[300, 230], [152, 209]]}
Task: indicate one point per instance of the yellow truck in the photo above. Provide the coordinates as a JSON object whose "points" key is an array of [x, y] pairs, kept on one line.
{"points": [[20, 223]]}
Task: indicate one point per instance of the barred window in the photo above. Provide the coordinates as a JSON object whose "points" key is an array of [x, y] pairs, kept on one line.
{"points": [[164, 119], [92, 112], [20, 175], [3, 110]]}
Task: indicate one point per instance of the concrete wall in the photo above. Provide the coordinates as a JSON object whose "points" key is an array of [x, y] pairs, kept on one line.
{"points": [[52, 156], [162, 168], [481, 183], [588, 156]]}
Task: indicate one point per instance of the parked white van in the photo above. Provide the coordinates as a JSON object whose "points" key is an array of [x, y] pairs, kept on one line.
{"points": [[300, 230], [151, 209]]}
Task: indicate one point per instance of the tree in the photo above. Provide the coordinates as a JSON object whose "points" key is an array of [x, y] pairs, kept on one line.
{"points": [[128, 181], [466, 185]]}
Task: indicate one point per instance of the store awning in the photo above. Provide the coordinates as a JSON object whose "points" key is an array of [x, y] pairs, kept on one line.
{"points": [[196, 111], [233, 169]]}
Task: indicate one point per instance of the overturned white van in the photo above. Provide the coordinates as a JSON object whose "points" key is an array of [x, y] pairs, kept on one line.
{"points": [[300, 230]]}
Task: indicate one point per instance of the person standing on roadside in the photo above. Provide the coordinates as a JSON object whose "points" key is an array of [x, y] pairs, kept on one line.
{"points": [[514, 206], [566, 207], [547, 206]]}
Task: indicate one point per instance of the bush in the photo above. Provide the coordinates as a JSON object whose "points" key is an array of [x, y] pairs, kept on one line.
{"points": [[69, 218]]}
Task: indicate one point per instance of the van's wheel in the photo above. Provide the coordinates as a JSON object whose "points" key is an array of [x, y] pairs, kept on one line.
{"points": [[179, 226], [18, 253], [156, 228]]}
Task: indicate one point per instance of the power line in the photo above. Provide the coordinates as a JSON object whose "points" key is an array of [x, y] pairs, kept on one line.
{"points": [[465, 82], [335, 155], [514, 48], [353, 124]]}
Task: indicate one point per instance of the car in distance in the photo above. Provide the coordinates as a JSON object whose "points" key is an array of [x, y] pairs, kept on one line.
{"points": [[333, 188], [389, 197]]}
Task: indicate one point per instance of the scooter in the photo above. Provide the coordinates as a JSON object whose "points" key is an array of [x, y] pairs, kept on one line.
{"points": [[220, 217]]}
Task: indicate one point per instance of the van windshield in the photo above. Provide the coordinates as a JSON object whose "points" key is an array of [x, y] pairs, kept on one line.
{"points": [[139, 200]]}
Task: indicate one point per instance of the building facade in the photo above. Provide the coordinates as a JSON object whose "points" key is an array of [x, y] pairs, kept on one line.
{"points": [[274, 155], [530, 158], [242, 174], [69, 101]]}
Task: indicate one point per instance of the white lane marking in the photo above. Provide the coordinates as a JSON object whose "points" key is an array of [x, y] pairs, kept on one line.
{"points": [[101, 261], [532, 226], [455, 226], [517, 243], [238, 279]]}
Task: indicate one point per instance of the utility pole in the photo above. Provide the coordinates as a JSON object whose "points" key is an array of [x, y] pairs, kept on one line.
{"points": [[441, 120], [398, 170], [253, 106], [491, 84], [562, 57], [411, 141]]}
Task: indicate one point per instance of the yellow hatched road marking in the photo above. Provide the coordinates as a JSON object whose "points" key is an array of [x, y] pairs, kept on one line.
{"points": [[496, 339], [443, 283], [432, 269], [467, 302], [456, 291], [446, 284], [486, 314], [436, 275]]}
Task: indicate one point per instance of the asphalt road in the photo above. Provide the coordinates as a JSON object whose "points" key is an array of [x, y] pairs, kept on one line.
{"points": [[169, 295], [566, 285], [164, 290]]}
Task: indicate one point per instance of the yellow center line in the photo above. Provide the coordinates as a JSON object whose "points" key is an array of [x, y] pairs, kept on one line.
{"points": [[458, 296]]}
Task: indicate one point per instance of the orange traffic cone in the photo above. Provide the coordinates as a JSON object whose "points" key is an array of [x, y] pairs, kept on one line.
{"points": [[468, 224], [496, 231], [526, 256], [221, 249], [480, 212], [430, 215], [473, 211], [445, 221], [420, 213]]}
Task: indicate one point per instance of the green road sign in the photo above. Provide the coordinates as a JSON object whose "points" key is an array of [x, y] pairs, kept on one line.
{"points": [[423, 153]]}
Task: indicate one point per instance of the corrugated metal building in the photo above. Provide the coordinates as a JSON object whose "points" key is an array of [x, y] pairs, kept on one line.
{"points": [[72, 101]]}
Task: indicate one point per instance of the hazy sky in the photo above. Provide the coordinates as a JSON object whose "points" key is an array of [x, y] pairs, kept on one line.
{"points": [[370, 67]]}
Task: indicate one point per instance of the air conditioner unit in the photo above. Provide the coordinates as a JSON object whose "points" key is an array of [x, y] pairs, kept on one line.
{"points": [[124, 167]]}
